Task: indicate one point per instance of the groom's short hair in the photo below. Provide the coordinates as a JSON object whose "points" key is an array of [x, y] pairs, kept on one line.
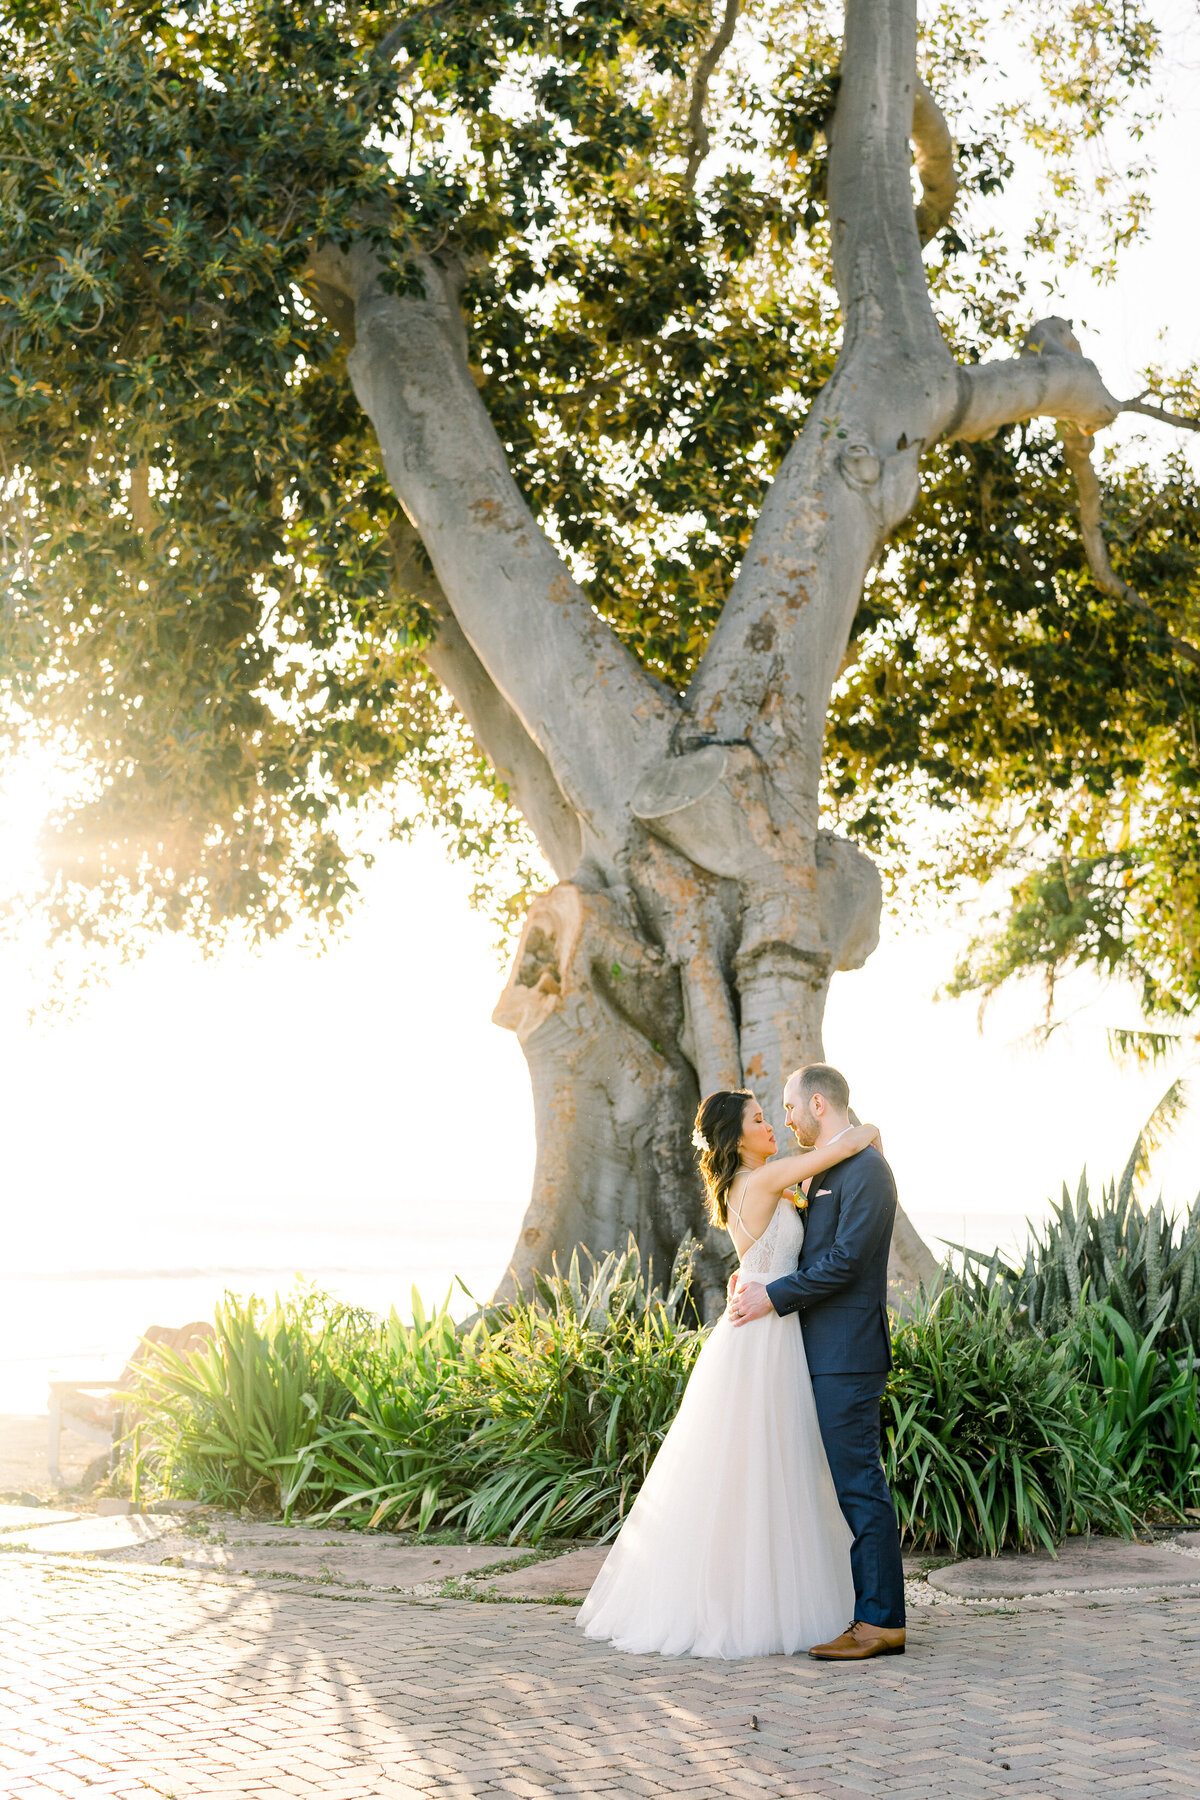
{"points": [[830, 1083]]}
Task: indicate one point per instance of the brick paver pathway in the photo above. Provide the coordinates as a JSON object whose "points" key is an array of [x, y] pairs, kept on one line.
{"points": [[129, 1682]]}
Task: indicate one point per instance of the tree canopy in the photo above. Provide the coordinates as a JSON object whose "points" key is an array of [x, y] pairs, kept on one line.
{"points": [[208, 602]]}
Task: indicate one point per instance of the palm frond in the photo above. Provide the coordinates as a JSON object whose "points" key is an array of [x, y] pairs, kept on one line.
{"points": [[1141, 1046]]}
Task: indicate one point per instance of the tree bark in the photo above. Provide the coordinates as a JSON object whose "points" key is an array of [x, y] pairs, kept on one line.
{"points": [[598, 1011], [700, 913]]}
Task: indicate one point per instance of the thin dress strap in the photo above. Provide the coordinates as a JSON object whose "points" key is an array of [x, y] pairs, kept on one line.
{"points": [[737, 1218]]}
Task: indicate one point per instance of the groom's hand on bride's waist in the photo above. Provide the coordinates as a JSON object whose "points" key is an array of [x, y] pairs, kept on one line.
{"points": [[749, 1302]]}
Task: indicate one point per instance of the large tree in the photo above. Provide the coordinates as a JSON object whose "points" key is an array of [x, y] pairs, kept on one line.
{"points": [[541, 400]]}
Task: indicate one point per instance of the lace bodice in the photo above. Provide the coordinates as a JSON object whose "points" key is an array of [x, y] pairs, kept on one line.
{"points": [[777, 1251]]}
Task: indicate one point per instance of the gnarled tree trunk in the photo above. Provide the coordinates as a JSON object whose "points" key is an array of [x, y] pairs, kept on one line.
{"points": [[701, 912], [601, 1014]]}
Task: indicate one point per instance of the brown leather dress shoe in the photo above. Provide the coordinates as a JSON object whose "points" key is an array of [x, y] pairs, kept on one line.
{"points": [[860, 1640]]}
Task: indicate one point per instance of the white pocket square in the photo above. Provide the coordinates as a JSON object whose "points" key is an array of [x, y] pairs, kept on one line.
{"points": [[821, 1192]]}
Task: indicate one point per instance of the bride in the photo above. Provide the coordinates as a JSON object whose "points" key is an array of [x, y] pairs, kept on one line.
{"points": [[736, 1545]]}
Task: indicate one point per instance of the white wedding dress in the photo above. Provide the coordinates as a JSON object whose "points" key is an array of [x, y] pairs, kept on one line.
{"points": [[736, 1545]]}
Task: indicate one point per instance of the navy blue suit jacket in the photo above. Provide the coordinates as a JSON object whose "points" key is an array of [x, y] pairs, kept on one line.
{"points": [[840, 1288]]}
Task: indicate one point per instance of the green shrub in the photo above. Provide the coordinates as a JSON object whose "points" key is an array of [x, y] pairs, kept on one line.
{"points": [[224, 1424], [541, 1417], [397, 1449], [1142, 1408], [987, 1441], [569, 1397]]}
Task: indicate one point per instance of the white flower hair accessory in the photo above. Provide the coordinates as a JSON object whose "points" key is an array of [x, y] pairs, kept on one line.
{"points": [[700, 1141]]}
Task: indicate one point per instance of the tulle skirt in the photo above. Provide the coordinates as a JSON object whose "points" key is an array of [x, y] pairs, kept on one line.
{"points": [[736, 1545]]}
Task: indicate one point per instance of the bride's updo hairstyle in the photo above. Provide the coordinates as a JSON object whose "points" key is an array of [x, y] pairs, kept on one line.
{"points": [[717, 1136]]}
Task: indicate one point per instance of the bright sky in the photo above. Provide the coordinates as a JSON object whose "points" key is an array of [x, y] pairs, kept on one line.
{"points": [[359, 1112]]}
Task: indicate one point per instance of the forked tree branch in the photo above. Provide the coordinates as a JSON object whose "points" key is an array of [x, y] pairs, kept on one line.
{"points": [[1050, 378], [594, 713], [493, 723], [933, 151], [1077, 453], [698, 138], [851, 474], [1160, 412]]}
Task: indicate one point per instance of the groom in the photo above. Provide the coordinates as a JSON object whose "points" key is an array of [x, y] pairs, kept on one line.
{"points": [[840, 1292]]}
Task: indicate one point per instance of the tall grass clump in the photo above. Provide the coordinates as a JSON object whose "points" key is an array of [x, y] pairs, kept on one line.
{"points": [[540, 1418], [223, 1423], [987, 1439], [1009, 1423], [1142, 1409], [1113, 1289], [569, 1397], [396, 1448]]}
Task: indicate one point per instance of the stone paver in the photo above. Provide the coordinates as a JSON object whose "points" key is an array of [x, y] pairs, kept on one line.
{"points": [[570, 1575], [21, 1518], [1083, 1565], [377, 1564], [98, 1536], [374, 1560], [125, 1681]]}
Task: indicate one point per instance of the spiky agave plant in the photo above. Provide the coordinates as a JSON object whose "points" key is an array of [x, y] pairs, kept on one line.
{"points": [[1141, 1262]]}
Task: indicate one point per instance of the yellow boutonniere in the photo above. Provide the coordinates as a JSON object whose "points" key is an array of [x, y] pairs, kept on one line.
{"points": [[798, 1200]]}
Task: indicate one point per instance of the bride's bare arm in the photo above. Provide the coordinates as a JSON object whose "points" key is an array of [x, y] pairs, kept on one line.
{"points": [[788, 1171]]}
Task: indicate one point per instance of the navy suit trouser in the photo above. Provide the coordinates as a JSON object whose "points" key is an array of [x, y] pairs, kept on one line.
{"points": [[848, 1414]]}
